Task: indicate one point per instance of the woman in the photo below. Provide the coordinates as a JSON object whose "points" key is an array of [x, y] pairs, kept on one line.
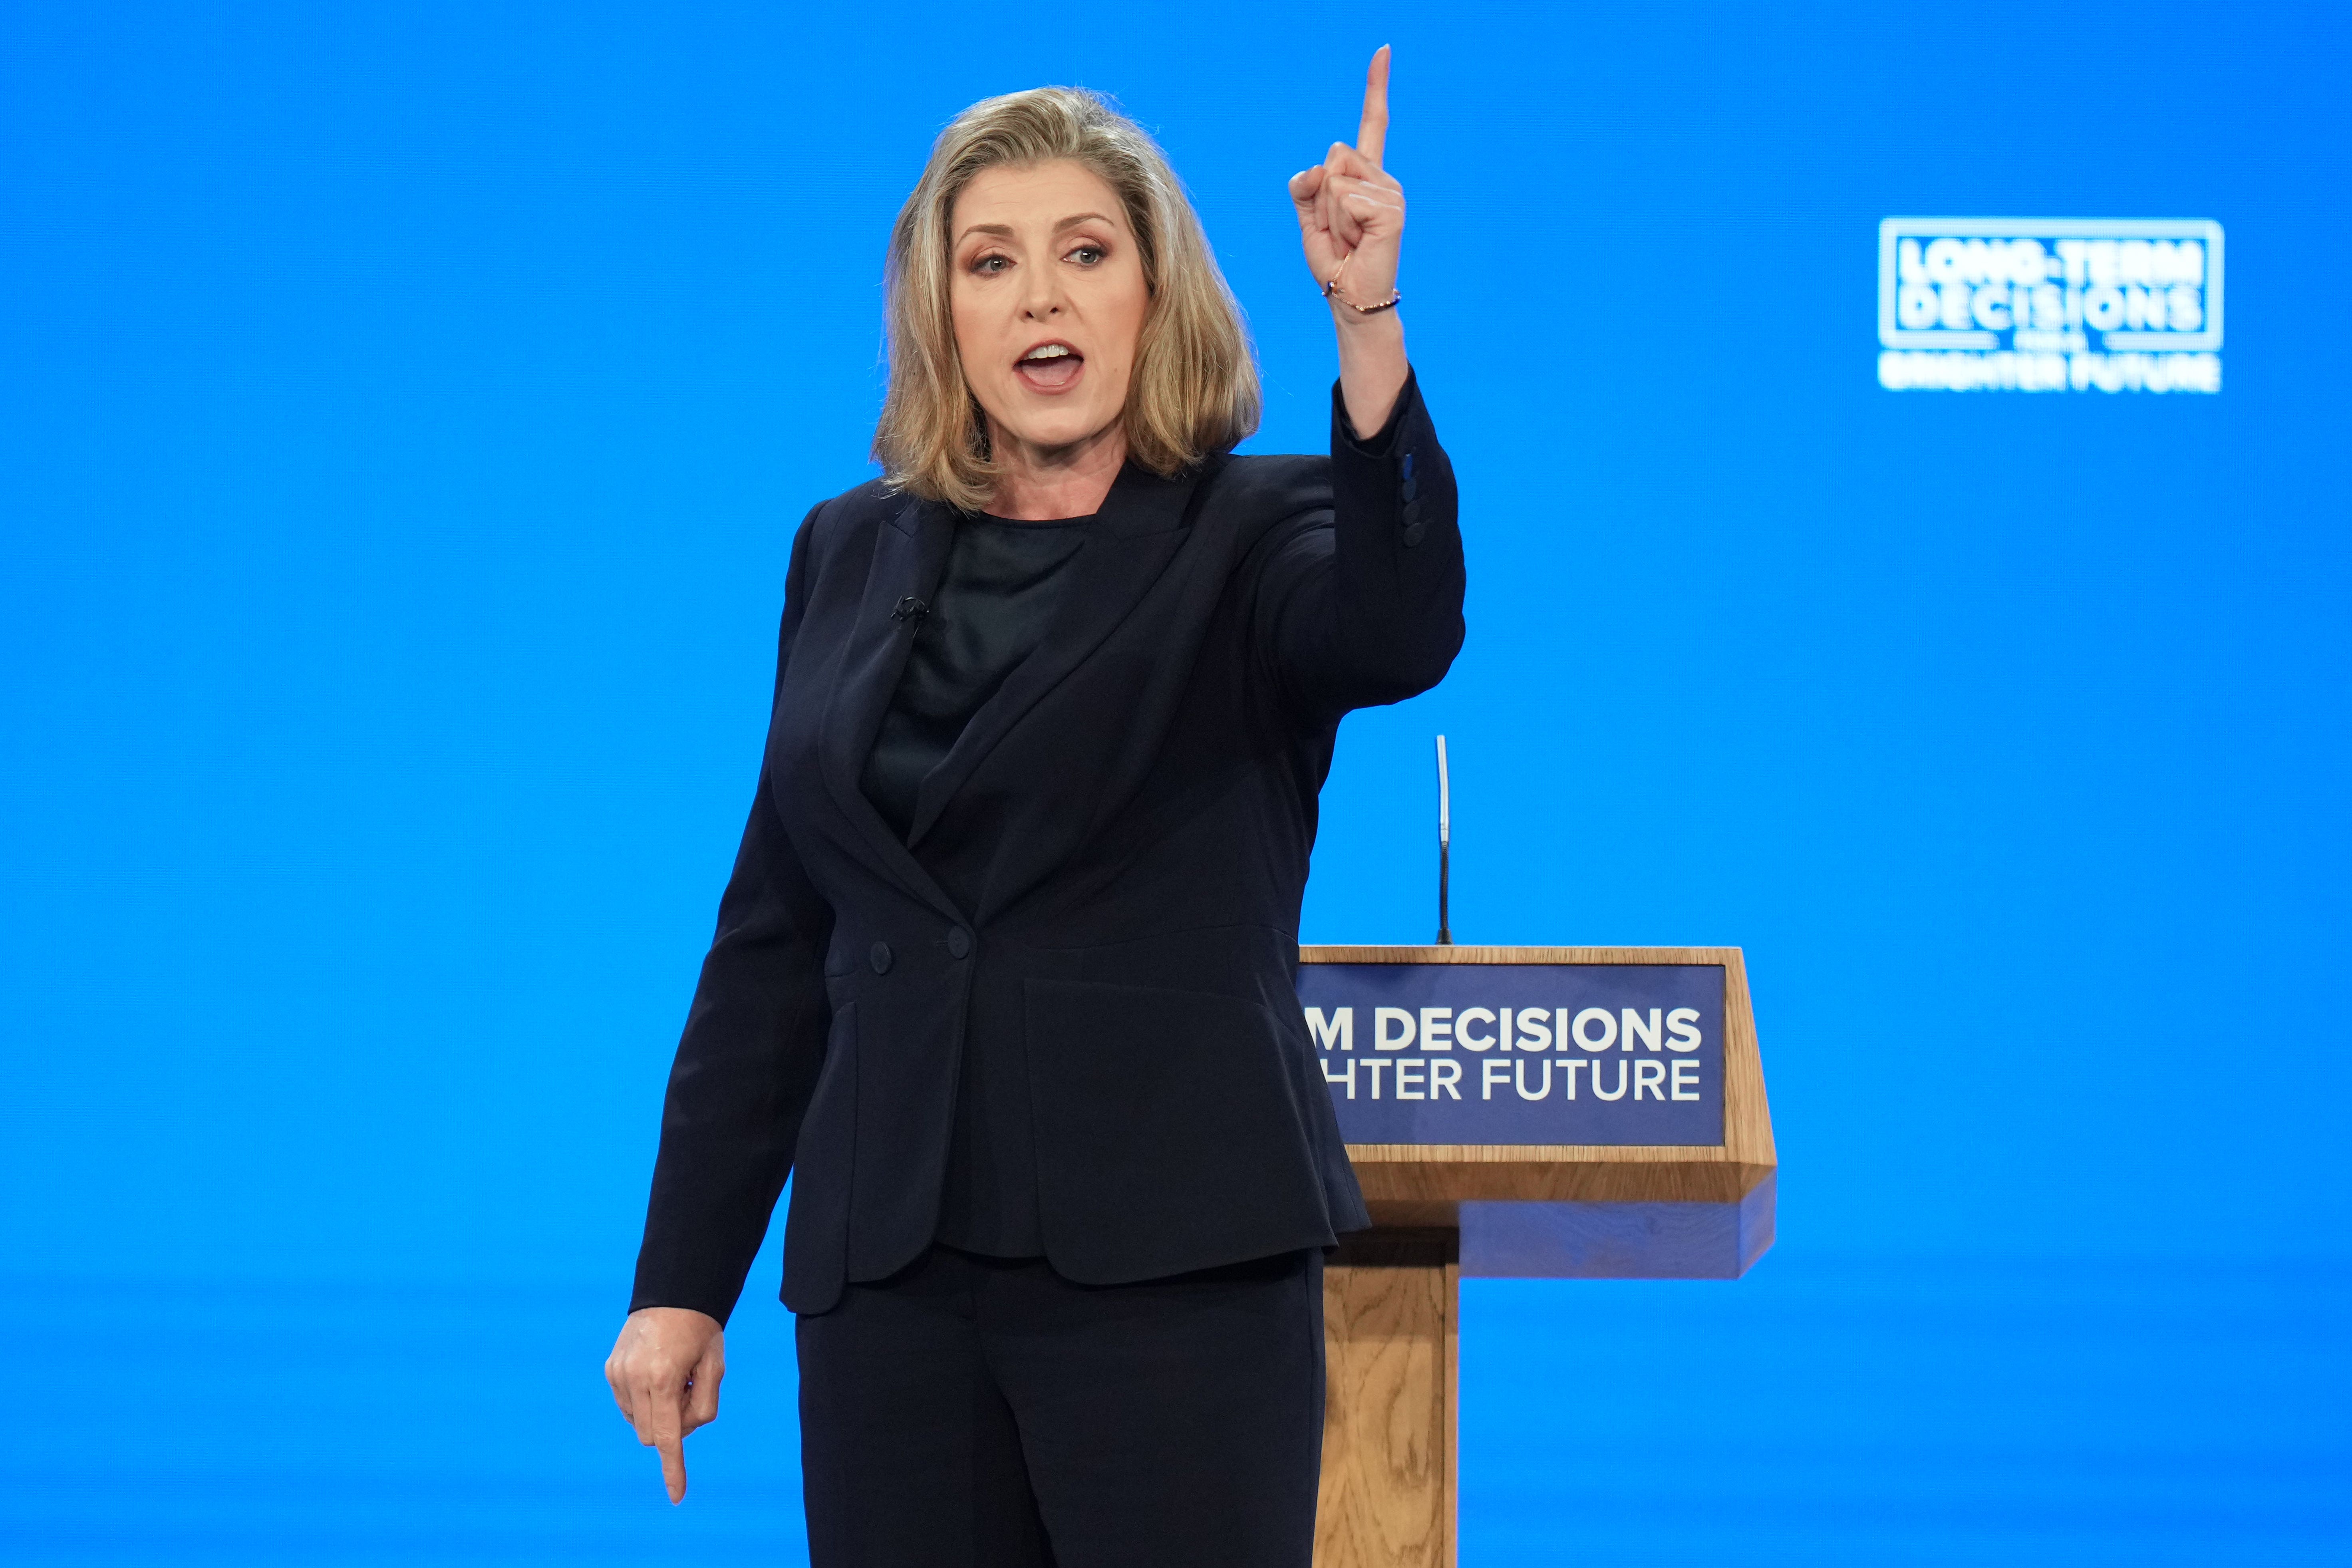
{"points": [[1005, 972]]}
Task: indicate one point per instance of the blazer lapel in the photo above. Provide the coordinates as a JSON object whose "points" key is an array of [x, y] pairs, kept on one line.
{"points": [[910, 551], [1142, 523]]}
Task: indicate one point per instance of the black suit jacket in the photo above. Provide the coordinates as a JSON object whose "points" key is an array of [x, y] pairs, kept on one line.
{"points": [[1112, 860]]}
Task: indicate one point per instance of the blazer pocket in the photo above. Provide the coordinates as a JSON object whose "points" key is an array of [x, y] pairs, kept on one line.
{"points": [[1168, 1132]]}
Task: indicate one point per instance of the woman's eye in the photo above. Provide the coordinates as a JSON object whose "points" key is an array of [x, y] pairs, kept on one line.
{"points": [[1087, 255], [991, 264]]}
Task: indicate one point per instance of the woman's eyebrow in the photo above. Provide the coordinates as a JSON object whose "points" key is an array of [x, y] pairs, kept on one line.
{"points": [[1005, 230]]}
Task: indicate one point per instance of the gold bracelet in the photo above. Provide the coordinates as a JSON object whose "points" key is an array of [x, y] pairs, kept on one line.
{"points": [[1331, 291]]}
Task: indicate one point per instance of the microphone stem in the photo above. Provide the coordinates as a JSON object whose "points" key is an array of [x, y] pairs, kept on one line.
{"points": [[1444, 845], [1444, 929]]}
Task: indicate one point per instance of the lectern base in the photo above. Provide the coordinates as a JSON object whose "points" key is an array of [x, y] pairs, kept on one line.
{"points": [[1390, 1316]]}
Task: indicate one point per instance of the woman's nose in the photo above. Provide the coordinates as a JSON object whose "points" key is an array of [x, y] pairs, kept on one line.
{"points": [[1043, 297]]}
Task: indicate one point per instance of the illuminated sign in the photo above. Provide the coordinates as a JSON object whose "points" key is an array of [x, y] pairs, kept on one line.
{"points": [[1968, 304]]}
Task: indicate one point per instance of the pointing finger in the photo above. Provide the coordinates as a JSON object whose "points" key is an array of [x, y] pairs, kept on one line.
{"points": [[660, 1428], [1372, 135], [673, 1459]]}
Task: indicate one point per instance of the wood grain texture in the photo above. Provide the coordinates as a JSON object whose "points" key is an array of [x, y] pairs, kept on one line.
{"points": [[1392, 1357], [1547, 1176]]}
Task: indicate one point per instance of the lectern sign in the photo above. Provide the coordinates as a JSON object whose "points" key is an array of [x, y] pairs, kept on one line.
{"points": [[1520, 1053]]}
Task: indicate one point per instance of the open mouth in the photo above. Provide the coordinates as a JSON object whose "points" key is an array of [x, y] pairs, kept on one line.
{"points": [[1050, 367]]}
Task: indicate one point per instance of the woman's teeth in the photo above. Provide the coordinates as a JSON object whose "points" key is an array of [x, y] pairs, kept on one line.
{"points": [[1051, 367]]}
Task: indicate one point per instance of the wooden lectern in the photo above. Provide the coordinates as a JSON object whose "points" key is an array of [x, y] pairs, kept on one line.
{"points": [[1528, 1111]]}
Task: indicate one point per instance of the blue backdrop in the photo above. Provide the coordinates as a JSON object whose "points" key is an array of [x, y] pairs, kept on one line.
{"points": [[404, 412]]}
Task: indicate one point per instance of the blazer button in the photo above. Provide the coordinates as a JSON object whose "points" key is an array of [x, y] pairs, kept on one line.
{"points": [[959, 943], [880, 956]]}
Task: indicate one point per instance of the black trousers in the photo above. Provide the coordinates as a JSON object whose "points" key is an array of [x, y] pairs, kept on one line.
{"points": [[983, 1413]]}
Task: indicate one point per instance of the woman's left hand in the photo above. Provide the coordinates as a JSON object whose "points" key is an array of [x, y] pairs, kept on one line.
{"points": [[1351, 221], [1350, 211]]}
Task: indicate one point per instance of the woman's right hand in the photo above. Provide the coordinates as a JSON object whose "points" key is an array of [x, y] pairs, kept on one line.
{"points": [[664, 1371]]}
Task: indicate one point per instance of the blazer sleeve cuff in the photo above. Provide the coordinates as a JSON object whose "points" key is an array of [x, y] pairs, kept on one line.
{"points": [[1400, 474], [1381, 445]]}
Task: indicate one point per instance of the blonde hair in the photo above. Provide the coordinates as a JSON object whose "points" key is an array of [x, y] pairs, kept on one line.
{"points": [[1195, 387]]}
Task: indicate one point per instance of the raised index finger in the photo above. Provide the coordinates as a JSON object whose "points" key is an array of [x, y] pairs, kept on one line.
{"points": [[1374, 131]]}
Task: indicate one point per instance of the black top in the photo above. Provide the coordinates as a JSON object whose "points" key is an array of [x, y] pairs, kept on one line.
{"points": [[989, 613], [1106, 867], [994, 601]]}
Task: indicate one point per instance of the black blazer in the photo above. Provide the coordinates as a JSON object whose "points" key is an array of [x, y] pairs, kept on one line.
{"points": [[1116, 850]]}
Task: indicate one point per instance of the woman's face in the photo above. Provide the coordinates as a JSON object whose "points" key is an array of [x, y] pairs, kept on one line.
{"points": [[1049, 300]]}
